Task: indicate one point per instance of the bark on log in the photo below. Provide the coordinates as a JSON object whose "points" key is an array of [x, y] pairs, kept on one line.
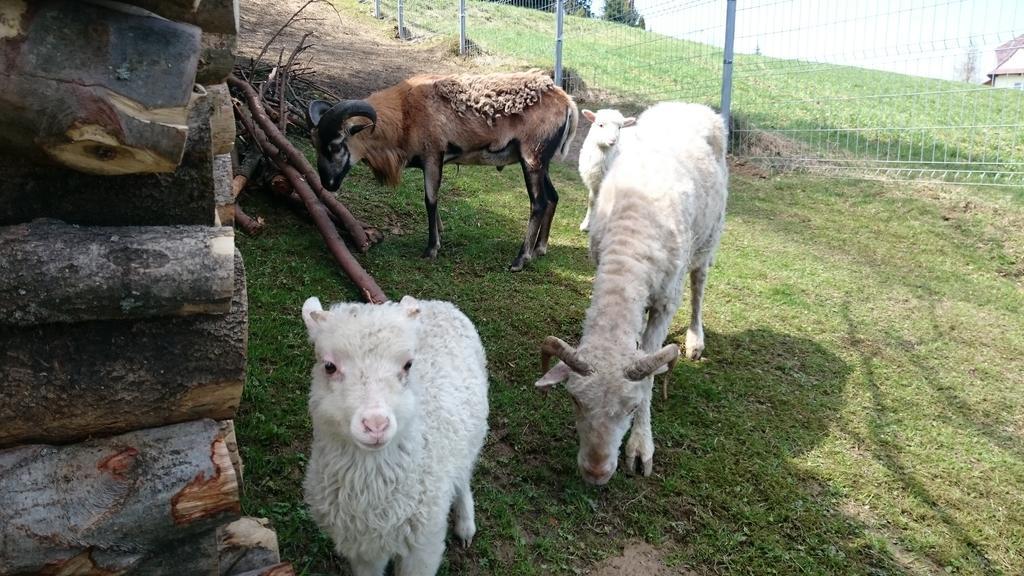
{"points": [[94, 89], [185, 196], [247, 544], [223, 184], [219, 16], [222, 119], [216, 58], [65, 382], [113, 503], [54, 272]]}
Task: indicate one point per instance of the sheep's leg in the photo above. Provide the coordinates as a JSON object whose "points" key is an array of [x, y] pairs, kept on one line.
{"points": [[585, 224], [368, 567], [538, 206], [695, 333], [640, 446], [431, 184], [465, 523], [549, 214], [424, 558]]}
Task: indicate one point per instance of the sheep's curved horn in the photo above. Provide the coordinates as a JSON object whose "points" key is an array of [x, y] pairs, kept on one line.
{"points": [[648, 364], [336, 116], [554, 346]]}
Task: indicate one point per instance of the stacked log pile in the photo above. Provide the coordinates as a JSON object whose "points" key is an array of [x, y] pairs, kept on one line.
{"points": [[123, 309]]}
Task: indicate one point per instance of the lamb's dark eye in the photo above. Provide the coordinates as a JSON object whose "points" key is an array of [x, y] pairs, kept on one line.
{"points": [[330, 368], [407, 366]]}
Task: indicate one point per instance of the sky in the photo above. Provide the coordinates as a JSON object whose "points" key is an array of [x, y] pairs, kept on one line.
{"points": [[919, 37]]}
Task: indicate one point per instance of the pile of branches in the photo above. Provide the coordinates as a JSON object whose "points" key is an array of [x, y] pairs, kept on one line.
{"points": [[268, 99]]}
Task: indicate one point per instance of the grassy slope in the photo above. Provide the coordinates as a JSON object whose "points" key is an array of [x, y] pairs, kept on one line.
{"points": [[916, 120], [857, 412]]}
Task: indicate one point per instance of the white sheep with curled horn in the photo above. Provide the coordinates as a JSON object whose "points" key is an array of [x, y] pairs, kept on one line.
{"points": [[399, 408], [428, 121], [658, 217]]}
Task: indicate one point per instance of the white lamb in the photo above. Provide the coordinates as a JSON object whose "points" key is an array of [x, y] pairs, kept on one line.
{"points": [[598, 151], [399, 409], [658, 216]]}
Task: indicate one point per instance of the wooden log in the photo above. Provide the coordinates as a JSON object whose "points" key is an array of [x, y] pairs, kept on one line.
{"points": [[222, 119], [227, 431], [111, 106], [55, 272], [219, 16], [108, 506], [193, 555], [247, 544], [65, 382], [223, 184], [216, 58], [282, 569], [185, 196]]}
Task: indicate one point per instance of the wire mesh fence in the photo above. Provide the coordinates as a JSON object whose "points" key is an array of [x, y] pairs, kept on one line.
{"points": [[878, 88], [886, 88]]}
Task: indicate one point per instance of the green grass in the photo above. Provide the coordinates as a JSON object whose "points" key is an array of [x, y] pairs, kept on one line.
{"points": [[919, 122], [858, 411]]}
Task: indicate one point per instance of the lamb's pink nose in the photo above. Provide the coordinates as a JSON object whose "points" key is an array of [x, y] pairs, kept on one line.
{"points": [[376, 425]]}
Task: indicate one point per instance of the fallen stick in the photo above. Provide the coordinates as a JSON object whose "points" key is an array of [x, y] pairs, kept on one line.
{"points": [[248, 224], [371, 291], [299, 164]]}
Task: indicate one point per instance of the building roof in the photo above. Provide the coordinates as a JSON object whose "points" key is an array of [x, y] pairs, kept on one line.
{"points": [[1004, 52]]}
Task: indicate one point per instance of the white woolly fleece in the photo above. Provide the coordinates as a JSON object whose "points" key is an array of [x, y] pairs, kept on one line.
{"points": [[394, 501]]}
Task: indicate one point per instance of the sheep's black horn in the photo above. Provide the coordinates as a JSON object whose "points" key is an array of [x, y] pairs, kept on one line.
{"points": [[346, 109]]}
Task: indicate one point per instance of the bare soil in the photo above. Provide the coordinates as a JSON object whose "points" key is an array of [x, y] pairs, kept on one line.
{"points": [[638, 559]]}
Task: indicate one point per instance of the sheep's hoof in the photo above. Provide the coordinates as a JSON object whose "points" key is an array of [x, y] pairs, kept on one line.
{"points": [[642, 467], [518, 264], [430, 254], [540, 250]]}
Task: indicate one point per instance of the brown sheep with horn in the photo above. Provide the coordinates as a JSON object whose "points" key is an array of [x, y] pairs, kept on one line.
{"points": [[428, 121]]}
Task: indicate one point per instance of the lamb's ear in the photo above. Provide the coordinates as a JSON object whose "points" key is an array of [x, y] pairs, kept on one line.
{"points": [[558, 373], [410, 305], [317, 108], [629, 121], [590, 116], [312, 313]]}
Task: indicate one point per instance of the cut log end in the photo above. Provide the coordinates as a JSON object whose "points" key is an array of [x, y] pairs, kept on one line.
{"points": [[93, 150], [204, 497]]}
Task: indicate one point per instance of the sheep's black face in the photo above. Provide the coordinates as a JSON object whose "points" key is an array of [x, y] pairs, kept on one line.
{"points": [[332, 127], [333, 161]]}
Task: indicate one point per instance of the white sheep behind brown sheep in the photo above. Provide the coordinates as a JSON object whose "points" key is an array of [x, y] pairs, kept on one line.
{"points": [[658, 218], [429, 121], [598, 151]]}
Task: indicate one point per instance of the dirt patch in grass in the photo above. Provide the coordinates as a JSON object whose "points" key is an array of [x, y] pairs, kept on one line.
{"points": [[355, 56], [638, 559]]}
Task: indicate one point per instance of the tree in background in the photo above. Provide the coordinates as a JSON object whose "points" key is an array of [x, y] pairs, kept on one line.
{"points": [[579, 8], [623, 12], [967, 70]]}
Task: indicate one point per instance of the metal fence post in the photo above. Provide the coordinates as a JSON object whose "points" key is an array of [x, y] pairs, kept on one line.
{"points": [[730, 35], [376, 10], [559, 15], [462, 26], [401, 19]]}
